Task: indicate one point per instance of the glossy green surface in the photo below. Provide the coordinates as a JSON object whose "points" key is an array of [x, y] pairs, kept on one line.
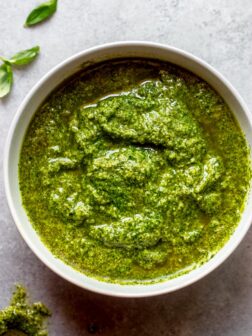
{"points": [[134, 171]]}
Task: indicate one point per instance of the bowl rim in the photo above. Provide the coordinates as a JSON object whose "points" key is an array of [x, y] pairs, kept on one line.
{"points": [[14, 212]]}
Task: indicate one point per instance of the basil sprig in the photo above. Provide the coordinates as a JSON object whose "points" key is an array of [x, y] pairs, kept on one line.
{"points": [[41, 13], [19, 59]]}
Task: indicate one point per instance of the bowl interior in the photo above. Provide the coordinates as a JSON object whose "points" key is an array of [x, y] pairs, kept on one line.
{"points": [[34, 100]]}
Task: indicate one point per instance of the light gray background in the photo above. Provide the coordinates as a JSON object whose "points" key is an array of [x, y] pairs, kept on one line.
{"points": [[219, 31]]}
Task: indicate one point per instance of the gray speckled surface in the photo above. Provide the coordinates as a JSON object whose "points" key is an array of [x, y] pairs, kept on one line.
{"points": [[219, 31]]}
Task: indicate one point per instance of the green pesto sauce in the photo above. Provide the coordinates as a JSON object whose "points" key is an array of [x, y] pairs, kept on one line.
{"points": [[134, 171], [21, 318]]}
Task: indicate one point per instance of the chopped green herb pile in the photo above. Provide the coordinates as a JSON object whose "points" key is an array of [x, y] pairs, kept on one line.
{"points": [[22, 318]]}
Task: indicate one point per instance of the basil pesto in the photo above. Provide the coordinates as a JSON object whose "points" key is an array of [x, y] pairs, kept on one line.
{"points": [[134, 171]]}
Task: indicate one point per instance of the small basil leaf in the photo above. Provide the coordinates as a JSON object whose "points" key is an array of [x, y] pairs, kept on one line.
{"points": [[6, 79], [24, 57], [41, 13]]}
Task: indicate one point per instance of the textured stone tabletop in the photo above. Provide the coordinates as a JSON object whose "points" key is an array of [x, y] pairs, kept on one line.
{"points": [[219, 31]]}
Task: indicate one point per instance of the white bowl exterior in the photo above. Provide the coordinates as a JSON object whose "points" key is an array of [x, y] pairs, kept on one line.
{"points": [[30, 105]]}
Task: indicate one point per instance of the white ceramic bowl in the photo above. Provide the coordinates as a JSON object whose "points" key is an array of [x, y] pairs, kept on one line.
{"points": [[34, 99]]}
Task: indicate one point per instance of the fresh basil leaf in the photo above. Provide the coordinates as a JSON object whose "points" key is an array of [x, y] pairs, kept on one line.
{"points": [[6, 79], [41, 13], [24, 57]]}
